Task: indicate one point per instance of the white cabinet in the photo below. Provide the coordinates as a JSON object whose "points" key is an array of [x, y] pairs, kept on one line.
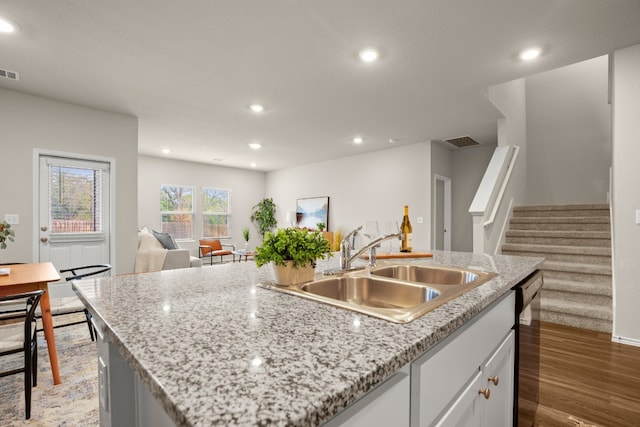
{"points": [[386, 405], [465, 410], [446, 380], [498, 378], [487, 400]]}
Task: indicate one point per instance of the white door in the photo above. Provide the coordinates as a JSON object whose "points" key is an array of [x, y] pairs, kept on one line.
{"points": [[73, 214], [442, 213]]}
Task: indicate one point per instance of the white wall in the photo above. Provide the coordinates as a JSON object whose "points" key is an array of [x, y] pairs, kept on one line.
{"points": [[247, 188], [569, 134], [510, 99], [468, 165], [28, 122], [368, 186], [626, 193]]}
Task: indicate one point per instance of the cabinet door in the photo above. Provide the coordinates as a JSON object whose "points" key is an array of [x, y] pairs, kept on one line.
{"points": [[465, 410], [498, 378]]}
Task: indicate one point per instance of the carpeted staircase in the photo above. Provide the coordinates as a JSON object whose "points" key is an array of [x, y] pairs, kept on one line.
{"points": [[576, 242]]}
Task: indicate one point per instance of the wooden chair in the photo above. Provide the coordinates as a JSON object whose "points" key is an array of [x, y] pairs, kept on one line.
{"points": [[22, 337], [213, 247]]}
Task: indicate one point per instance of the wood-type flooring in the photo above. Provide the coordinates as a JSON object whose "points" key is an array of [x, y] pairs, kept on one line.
{"points": [[587, 380]]}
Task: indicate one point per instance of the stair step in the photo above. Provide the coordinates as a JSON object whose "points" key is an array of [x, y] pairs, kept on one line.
{"points": [[562, 210], [577, 268], [560, 224], [576, 309], [575, 241], [583, 298], [591, 255], [558, 249], [578, 287], [561, 238], [577, 321]]}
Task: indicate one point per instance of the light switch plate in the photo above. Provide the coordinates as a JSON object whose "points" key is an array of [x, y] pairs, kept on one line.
{"points": [[420, 220], [637, 216], [12, 219]]}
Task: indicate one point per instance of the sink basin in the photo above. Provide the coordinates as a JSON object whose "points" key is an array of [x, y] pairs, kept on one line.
{"points": [[398, 293], [430, 275], [371, 292]]}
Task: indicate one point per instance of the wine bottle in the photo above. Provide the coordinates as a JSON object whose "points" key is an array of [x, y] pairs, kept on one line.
{"points": [[407, 231]]}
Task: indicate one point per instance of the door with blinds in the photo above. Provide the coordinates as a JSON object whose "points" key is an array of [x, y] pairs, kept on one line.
{"points": [[73, 214]]}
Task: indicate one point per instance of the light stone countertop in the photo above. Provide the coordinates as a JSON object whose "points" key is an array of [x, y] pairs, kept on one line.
{"points": [[216, 349]]}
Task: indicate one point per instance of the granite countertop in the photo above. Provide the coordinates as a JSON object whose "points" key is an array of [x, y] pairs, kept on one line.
{"points": [[216, 349]]}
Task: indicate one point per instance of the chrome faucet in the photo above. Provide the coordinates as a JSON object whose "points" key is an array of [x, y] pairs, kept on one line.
{"points": [[345, 252], [345, 249]]}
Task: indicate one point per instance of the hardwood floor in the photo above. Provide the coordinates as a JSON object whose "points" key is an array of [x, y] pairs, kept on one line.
{"points": [[587, 380]]}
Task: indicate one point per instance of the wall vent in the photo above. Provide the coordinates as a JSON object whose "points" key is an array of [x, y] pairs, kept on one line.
{"points": [[462, 141], [7, 74]]}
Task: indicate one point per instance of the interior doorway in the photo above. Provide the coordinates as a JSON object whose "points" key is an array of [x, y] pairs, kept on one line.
{"points": [[441, 231]]}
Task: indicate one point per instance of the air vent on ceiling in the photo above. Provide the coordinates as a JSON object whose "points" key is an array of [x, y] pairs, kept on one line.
{"points": [[11, 75], [462, 141]]}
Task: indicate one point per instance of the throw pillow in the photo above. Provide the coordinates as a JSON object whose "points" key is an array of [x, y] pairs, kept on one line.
{"points": [[166, 239]]}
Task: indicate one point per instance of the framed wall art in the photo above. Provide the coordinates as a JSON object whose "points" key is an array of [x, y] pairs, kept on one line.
{"points": [[311, 211]]}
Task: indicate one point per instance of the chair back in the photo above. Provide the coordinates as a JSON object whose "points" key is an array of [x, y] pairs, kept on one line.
{"points": [[78, 273], [210, 245], [30, 301]]}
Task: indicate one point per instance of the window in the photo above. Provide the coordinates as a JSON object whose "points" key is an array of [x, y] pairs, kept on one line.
{"points": [[75, 199], [215, 213], [176, 207]]}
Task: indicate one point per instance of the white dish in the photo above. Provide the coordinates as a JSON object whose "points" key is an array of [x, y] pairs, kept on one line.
{"points": [[5, 271]]}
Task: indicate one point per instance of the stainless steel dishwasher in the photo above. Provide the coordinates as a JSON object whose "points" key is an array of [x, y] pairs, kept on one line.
{"points": [[527, 365]]}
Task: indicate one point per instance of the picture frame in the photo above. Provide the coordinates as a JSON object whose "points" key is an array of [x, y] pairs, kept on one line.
{"points": [[312, 210]]}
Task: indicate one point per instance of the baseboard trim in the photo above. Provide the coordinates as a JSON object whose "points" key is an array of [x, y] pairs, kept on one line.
{"points": [[627, 341]]}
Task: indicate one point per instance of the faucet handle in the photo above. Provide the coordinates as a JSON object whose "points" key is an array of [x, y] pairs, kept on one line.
{"points": [[351, 233], [372, 255]]}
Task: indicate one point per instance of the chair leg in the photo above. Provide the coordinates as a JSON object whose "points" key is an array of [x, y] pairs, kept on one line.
{"points": [[28, 373], [88, 316], [34, 362]]}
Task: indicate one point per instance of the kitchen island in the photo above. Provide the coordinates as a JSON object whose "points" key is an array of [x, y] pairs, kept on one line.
{"points": [[211, 347]]}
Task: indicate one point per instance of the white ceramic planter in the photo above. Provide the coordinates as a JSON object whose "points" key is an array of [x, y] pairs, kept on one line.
{"points": [[286, 275]]}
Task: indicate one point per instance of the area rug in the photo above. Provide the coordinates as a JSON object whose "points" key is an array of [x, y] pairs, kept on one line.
{"points": [[72, 403]]}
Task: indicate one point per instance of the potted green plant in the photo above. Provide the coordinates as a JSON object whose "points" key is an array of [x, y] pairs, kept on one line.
{"points": [[264, 215], [293, 253], [246, 236], [6, 234]]}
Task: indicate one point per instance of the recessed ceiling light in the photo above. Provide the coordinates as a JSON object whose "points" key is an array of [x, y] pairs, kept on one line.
{"points": [[358, 140], [256, 108], [166, 151], [392, 141], [255, 146], [7, 26], [531, 53], [217, 159], [253, 165], [369, 55]]}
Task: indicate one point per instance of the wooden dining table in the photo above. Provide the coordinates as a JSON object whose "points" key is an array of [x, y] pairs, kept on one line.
{"points": [[32, 277]]}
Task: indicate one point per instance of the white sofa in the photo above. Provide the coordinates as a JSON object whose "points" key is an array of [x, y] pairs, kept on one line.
{"points": [[159, 251], [180, 258]]}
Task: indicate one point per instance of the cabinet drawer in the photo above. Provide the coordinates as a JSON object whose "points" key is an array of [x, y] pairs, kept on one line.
{"points": [[441, 373]]}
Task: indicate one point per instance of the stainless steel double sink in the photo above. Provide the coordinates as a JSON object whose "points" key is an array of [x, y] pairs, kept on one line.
{"points": [[399, 292]]}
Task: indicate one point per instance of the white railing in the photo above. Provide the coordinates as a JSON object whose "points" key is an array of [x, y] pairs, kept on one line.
{"points": [[487, 200]]}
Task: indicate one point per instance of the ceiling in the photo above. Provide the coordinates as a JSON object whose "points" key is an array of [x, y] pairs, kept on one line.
{"points": [[189, 70]]}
